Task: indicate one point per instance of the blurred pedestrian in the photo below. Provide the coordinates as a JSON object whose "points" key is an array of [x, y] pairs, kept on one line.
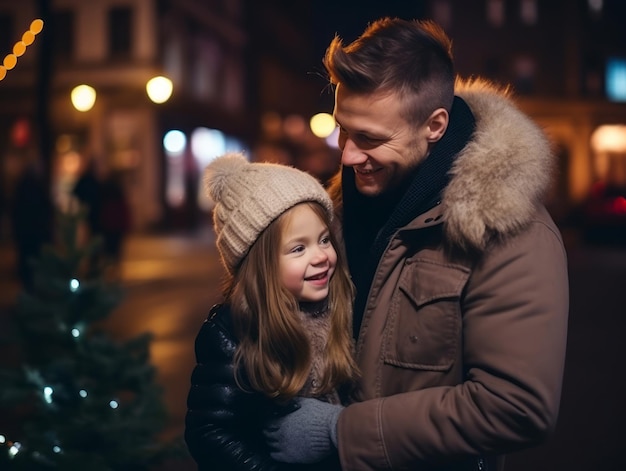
{"points": [[115, 217], [88, 191], [283, 334], [32, 215]]}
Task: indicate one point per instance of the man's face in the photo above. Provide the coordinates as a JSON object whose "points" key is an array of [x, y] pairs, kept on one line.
{"points": [[376, 140]]}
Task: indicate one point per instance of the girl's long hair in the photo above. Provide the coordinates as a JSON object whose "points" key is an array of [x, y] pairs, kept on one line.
{"points": [[273, 354]]}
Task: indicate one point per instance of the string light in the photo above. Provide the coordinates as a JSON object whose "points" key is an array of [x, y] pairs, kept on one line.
{"points": [[19, 49], [56, 449], [47, 394], [15, 449], [75, 333], [74, 285], [10, 60], [3, 439], [82, 393], [114, 404]]}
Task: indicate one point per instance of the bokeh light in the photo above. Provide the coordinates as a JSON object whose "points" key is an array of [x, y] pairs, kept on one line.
{"points": [[19, 49], [9, 61], [322, 125], [174, 141], [28, 38], [36, 26], [83, 97], [159, 89]]}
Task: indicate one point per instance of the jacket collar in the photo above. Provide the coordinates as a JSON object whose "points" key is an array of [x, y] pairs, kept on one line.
{"points": [[499, 178]]}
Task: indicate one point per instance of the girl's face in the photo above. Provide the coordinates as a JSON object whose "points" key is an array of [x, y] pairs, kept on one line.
{"points": [[307, 257]]}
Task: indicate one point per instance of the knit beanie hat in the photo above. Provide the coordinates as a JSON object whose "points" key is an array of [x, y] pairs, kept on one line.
{"points": [[249, 196]]}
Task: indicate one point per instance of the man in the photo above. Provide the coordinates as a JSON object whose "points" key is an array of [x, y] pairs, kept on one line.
{"points": [[461, 275]]}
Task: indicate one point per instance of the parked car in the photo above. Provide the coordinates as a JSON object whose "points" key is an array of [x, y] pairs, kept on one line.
{"points": [[603, 214]]}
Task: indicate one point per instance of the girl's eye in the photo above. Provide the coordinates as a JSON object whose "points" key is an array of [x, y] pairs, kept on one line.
{"points": [[298, 248], [325, 240]]}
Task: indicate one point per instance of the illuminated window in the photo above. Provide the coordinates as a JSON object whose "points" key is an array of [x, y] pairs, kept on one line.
{"points": [[495, 12], [173, 61], [233, 93], [174, 144], [528, 12], [616, 79], [442, 13], [206, 68], [595, 6], [525, 69]]}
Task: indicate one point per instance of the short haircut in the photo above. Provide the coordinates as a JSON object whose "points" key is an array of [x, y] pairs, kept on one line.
{"points": [[411, 58]]}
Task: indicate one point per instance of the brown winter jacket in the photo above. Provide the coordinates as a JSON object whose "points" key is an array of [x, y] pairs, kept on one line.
{"points": [[462, 343]]}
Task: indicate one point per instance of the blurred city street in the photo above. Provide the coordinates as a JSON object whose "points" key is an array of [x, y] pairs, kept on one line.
{"points": [[172, 280]]}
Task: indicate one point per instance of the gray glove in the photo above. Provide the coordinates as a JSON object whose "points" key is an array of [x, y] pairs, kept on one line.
{"points": [[307, 435]]}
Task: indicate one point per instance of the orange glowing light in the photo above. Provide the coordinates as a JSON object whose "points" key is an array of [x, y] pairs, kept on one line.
{"points": [[10, 61], [28, 38], [36, 26], [19, 49]]}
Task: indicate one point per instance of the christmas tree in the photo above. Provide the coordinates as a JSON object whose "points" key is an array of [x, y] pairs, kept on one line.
{"points": [[75, 398]]}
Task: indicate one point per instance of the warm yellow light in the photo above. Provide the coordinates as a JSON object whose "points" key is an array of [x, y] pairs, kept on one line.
{"points": [[36, 26], [3, 72], [19, 48], [83, 97], [159, 89], [28, 38], [609, 138], [71, 163], [10, 61], [322, 125]]}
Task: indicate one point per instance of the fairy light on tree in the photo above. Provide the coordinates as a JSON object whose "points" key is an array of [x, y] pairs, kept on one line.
{"points": [[75, 397]]}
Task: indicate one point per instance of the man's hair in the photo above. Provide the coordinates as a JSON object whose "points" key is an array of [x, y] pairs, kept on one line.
{"points": [[273, 354], [410, 58]]}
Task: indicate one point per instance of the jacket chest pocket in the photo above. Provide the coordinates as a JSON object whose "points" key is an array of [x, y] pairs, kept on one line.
{"points": [[424, 321]]}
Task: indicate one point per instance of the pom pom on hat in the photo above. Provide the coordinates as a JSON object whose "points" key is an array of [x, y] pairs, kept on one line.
{"points": [[219, 171], [250, 196]]}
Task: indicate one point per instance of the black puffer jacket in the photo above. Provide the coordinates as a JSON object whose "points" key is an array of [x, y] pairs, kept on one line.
{"points": [[224, 424]]}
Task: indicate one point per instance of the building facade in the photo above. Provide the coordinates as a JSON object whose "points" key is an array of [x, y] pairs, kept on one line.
{"points": [[233, 65], [566, 63]]}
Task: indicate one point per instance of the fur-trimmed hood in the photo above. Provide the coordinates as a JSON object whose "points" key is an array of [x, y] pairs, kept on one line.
{"points": [[500, 176]]}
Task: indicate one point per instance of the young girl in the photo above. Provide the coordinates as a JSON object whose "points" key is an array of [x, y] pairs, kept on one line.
{"points": [[284, 329]]}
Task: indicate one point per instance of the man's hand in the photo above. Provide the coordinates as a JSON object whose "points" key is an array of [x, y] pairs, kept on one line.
{"points": [[307, 435]]}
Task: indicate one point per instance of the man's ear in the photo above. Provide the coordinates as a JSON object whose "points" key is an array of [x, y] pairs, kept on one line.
{"points": [[437, 124]]}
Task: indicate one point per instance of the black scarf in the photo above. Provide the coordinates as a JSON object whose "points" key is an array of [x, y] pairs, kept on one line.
{"points": [[370, 222]]}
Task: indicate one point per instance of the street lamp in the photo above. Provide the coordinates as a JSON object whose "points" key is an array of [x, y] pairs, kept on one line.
{"points": [[83, 97], [159, 89]]}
